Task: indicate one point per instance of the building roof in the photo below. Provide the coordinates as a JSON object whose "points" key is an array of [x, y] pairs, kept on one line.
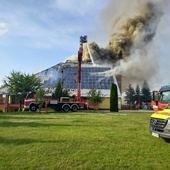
{"points": [[92, 77]]}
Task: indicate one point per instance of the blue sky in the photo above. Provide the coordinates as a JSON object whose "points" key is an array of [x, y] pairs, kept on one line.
{"points": [[37, 34]]}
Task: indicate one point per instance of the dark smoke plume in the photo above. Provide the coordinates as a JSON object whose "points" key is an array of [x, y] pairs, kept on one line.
{"points": [[128, 49]]}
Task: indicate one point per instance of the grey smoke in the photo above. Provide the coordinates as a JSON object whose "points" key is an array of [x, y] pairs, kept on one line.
{"points": [[133, 26]]}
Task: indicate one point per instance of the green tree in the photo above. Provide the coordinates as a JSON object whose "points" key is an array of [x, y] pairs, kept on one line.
{"points": [[20, 83], [137, 93], [130, 95], [113, 98], [40, 98], [60, 92], [146, 94], [65, 93], [95, 98]]}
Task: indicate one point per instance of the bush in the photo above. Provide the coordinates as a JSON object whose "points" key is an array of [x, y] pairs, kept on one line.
{"points": [[113, 98]]}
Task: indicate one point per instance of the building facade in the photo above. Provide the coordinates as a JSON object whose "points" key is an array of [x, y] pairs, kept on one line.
{"points": [[92, 77]]}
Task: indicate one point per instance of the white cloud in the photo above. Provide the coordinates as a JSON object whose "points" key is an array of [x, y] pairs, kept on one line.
{"points": [[50, 25], [78, 7], [3, 28]]}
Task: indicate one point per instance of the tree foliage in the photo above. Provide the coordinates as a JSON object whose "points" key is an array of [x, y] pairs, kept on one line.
{"points": [[139, 94], [129, 94], [146, 94], [113, 98], [95, 98], [21, 83], [40, 98], [60, 92]]}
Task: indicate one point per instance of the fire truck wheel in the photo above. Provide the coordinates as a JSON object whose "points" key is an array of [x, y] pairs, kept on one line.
{"points": [[33, 107], [66, 108], [74, 108]]}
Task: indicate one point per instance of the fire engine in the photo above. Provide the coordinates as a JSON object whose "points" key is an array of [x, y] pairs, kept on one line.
{"points": [[160, 98], [64, 104]]}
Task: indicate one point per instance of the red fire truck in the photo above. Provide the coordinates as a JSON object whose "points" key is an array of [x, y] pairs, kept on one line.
{"points": [[160, 98], [64, 104]]}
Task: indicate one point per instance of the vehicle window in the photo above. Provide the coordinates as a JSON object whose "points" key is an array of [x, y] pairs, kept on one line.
{"points": [[165, 96], [30, 95], [168, 107], [155, 95]]}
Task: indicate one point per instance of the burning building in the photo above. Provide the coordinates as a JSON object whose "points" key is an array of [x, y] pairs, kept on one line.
{"points": [[125, 59], [92, 77]]}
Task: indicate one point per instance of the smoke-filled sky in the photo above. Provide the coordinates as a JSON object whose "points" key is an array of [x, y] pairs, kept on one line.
{"points": [[37, 34], [144, 26], [132, 38]]}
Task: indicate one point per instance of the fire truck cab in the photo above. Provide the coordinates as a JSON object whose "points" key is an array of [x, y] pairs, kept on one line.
{"points": [[161, 98]]}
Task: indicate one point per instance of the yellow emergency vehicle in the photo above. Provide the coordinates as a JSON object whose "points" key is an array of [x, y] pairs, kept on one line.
{"points": [[160, 123]]}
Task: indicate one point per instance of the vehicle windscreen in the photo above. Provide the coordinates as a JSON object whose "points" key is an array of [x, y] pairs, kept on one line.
{"points": [[165, 96], [30, 95]]}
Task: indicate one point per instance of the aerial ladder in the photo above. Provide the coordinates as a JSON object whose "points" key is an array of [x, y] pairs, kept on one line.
{"points": [[83, 39]]}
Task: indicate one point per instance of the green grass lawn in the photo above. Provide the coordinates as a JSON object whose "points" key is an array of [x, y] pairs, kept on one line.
{"points": [[80, 140]]}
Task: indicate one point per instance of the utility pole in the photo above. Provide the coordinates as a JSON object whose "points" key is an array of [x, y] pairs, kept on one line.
{"points": [[83, 39]]}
